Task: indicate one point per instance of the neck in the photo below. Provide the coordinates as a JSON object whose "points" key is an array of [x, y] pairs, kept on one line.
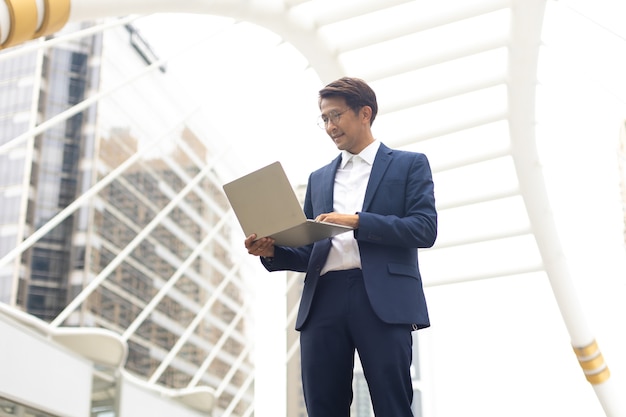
{"points": [[357, 150]]}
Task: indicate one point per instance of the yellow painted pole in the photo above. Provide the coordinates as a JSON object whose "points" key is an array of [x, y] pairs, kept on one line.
{"points": [[24, 18]]}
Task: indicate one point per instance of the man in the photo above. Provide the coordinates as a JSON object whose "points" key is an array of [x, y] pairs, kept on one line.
{"points": [[362, 289]]}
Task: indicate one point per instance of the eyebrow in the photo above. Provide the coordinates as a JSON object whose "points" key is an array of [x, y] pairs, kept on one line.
{"points": [[334, 111]]}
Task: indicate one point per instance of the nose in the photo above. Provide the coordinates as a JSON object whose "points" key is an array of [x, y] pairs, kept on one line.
{"points": [[331, 129]]}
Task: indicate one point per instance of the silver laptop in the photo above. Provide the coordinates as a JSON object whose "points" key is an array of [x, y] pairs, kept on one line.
{"points": [[266, 204]]}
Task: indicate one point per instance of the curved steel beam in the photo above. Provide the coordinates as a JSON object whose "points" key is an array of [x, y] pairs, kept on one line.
{"points": [[22, 17], [526, 29]]}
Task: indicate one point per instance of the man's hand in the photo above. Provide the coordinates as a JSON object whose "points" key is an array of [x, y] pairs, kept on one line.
{"points": [[351, 220], [260, 247]]}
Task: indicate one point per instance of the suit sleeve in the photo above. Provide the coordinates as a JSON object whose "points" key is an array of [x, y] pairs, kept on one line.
{"points": [[288, 259]]}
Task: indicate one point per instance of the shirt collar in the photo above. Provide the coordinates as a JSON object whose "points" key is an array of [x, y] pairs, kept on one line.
{"points": [[368, 154]]}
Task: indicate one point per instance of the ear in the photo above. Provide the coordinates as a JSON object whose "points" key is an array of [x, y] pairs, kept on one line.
{"points": [[366, 111]]}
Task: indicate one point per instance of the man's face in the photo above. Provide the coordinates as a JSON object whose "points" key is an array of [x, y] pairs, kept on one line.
{"points": [[348, 130]]}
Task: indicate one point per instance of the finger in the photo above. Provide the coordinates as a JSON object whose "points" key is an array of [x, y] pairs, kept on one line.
{"points": [[249, 241]]}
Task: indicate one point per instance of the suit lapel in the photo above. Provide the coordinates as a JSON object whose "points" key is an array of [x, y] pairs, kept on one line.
{"points": [[328, 182], [381, 163]]}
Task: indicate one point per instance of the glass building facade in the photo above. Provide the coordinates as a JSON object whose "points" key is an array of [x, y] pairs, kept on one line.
{"points": [[145, 215], [40, 175]]}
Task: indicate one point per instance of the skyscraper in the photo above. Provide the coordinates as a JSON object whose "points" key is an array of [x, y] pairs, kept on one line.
{"points": [[138, 240], [40, 174]]}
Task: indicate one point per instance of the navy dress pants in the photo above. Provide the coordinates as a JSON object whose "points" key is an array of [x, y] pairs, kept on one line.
{"points": [[342, 320]]}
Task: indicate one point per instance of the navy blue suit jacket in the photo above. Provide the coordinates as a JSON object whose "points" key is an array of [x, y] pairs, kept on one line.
{"points": [[398, 216]]}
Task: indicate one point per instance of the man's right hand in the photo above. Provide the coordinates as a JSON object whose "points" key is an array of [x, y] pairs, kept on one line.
{"points": [[260, 247]]}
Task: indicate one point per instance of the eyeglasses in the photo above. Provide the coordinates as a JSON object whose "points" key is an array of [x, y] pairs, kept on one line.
{"points": [[333, 116]]}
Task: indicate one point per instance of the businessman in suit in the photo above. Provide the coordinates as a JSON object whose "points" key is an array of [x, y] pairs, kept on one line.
{"points": [[363, 289]]}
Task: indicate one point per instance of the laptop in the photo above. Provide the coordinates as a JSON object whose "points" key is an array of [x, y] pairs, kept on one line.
{"points": [[266, 204]]}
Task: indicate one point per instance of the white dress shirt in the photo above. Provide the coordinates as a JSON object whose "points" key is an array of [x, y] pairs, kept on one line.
{"points": [[350, 184]]}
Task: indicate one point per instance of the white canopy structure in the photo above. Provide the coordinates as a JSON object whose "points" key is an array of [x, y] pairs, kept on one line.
{"points": [[474, 85]]}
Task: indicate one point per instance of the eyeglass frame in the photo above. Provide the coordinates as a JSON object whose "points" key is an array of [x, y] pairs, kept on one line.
{"points": [[333, 117]]}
